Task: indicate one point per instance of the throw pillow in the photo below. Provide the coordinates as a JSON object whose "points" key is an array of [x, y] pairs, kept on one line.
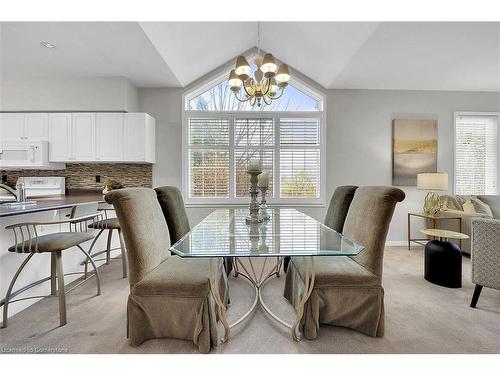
{"points": [[480, 207], [450, 203], [469, 207]]}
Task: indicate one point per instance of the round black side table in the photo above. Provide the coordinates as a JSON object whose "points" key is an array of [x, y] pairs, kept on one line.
{"points": [[443, 259]]}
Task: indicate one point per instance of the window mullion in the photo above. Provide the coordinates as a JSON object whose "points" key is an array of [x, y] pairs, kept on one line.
{"points": [[232, 168], [276, 174]]}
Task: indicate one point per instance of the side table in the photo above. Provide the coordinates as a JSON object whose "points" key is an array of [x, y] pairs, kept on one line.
{"points": [[443, 259], [433, 219]]}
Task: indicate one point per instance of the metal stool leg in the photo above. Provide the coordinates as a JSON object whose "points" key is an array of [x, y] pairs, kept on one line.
{"points": [[9, 291], [108, 248], [124, 254], [61, 292], [90, 250], [53, 275], [98, 279]]}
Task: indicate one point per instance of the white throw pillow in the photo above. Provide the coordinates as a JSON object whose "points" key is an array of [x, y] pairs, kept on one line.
{"points": [[468, 207], [480, 207]]}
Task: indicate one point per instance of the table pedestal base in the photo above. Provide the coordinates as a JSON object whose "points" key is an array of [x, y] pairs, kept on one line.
{"points": [[258, 280]]}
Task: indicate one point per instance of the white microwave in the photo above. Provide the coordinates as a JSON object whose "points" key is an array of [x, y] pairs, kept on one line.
{"points": [[26, 155]]}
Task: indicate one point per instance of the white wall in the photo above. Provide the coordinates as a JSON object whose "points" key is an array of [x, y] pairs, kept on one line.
{"points": [[70, 94], [359, 136]]}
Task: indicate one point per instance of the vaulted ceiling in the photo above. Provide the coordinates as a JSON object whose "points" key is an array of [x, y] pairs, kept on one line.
{"points": [[370, 55]]}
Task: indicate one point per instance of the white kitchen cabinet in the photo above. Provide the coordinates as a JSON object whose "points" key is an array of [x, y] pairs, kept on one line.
{"points": [[11, 126], [24, 127], [101, 137], [83, 137], [109, 137], [36, 126], [60, 137], [139, 138]]}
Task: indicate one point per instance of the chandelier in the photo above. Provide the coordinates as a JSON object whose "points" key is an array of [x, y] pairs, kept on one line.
{"points": [[268, 82]]}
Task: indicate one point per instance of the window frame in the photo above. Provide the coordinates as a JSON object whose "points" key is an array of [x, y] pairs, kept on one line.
{"points": [[276, 115], [473, 113]]}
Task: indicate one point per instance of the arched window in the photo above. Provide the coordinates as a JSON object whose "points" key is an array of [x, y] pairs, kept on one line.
{"points": [[222, 134]]}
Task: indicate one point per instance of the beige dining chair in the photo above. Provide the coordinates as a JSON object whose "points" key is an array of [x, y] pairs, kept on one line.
{"points": [[27, 241], [348, 291], [337, 211], [174, 210], [169, 297]]}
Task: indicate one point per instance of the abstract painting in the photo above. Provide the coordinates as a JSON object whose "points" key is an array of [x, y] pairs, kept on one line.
{"points": [[414, 150]]}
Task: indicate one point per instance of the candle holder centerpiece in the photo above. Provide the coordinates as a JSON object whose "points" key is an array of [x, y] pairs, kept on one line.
{"points": [[263, 185], [254, 170]]}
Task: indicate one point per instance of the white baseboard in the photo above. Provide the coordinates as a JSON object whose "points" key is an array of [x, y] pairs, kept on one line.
{"points": [[396, 243]]}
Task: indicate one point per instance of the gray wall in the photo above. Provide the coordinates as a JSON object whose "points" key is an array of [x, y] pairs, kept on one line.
{"points": [[359, 135], [69, 94]]}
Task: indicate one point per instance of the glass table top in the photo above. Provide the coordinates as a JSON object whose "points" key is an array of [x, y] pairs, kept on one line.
{"points": [[288, 232]]}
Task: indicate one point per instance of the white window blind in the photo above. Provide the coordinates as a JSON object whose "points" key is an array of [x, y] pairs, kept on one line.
{"points": [[476, 154], [209, 131], [299, 131]]}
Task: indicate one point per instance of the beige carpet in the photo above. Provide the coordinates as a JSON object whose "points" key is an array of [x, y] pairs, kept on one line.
{"points": [[420, 318]]}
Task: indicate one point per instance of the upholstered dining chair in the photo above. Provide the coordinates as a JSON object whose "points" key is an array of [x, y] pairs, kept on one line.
{"points": [[174, 210], [348, 291], [485, 256], [169, 296], [337, 211]]}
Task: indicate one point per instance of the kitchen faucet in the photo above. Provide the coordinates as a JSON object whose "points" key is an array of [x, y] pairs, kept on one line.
{"points": [[19, 193]]}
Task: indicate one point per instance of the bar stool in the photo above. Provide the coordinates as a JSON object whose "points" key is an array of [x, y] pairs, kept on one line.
{"points": [[27, 241], [107, 223]]}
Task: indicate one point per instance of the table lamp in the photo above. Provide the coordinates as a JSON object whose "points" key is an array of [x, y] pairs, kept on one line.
{"points": [[433, 182]]}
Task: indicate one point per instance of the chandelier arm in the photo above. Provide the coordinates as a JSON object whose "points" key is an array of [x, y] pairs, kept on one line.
{"points": [[265, 101], [246, 92], [268, 87], [280, 95], [246, 99]]}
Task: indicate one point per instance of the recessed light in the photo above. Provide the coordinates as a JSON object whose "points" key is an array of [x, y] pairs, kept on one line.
{"points": [[47, 45]]}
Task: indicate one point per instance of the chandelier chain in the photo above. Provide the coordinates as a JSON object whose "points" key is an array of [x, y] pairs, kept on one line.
{"points": [[258, 38]]}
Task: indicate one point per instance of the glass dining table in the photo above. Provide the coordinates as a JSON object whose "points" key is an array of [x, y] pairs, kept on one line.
{"points": [[288, 233]]}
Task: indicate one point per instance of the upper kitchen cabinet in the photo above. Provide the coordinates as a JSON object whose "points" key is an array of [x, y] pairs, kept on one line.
{"points": [[139, 138], [109, 137], [83, 137], [60, 137], [24, 126], [102, 137]]}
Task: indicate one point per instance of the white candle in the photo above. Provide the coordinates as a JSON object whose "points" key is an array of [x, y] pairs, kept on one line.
{"points": [[254, 165], [263, 180]]}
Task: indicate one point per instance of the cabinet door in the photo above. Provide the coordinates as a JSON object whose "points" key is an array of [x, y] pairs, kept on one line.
{"points": [[134, 137], [109, 136], [36, 126], [12, 126], [60, 137], [83, 136]]}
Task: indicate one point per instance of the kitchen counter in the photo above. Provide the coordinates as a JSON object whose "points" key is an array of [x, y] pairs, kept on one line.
{"points": [[52, 203]]}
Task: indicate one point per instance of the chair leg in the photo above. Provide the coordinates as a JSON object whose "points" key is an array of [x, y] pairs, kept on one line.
{"points": [[9, 291], [90, 250], [98, 279], [53, 275], [108, 247], [124, 254], [61, 292], [475, 296]]}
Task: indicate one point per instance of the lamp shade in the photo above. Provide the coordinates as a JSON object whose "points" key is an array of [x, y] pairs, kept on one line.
{"points": [[268, 66], [432, 181], [242, 68], [234, 82], [283, 75]]}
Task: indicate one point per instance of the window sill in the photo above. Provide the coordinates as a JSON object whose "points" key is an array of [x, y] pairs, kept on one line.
{"points": [[241, 205]]}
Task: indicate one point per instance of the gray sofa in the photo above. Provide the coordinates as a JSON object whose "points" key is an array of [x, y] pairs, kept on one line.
{"points": [[453, 207]]}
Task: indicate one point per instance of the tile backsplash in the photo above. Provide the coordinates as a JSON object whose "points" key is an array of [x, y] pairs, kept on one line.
{"points": [[83, 175]]}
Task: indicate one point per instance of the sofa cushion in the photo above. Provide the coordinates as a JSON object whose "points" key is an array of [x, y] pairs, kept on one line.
{"points": [[493, 201], [481, 207], [175, 277]]}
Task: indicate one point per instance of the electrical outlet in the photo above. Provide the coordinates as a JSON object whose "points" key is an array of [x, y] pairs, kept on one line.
{"points": [[97, 178]]}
